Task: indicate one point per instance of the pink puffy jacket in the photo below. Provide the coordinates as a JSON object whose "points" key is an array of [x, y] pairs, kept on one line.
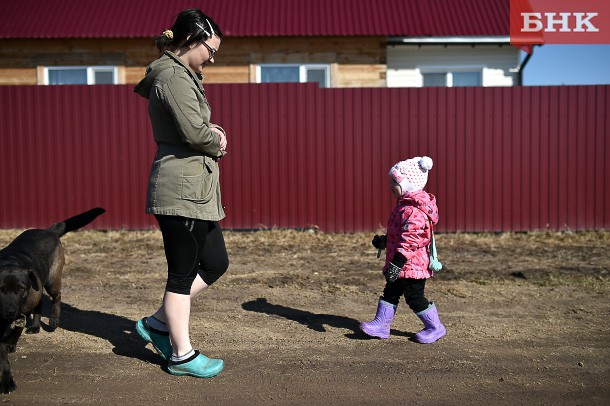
{"points": [[409, 233]]}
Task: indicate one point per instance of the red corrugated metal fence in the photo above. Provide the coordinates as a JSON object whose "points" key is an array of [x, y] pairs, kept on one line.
{"points": [[506, 159]]}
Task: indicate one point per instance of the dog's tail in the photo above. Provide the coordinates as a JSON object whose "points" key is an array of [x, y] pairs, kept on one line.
{"points": [[76, 222]]}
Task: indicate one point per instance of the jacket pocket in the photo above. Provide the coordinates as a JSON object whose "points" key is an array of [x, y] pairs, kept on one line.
{"points": [[198, 180]]}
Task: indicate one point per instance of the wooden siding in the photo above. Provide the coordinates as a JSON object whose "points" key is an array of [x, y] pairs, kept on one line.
{"points": [[360, 75], [18, 76], [506, 159], [359, 60]]}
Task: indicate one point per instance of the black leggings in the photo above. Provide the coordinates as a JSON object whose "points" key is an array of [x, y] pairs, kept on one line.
{"points": [[412, 289], [192, 247]]}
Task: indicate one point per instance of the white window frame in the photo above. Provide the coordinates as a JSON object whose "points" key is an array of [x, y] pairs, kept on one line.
{"points": [[448, 70], [91, 70], [302, 70]]}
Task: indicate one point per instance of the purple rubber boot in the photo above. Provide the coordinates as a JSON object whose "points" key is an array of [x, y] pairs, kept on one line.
{"points": [[433, 328], [380, 326]]}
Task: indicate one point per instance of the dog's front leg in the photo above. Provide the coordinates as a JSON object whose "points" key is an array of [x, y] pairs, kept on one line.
{"points": [[7, 383], [13, 333]]}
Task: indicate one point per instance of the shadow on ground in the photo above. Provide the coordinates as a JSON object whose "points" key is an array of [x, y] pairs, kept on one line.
{"points": [[313, 321], [117, 330]]}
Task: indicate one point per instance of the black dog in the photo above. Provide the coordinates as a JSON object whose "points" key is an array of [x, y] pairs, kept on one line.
{"points": [[32, 261]]}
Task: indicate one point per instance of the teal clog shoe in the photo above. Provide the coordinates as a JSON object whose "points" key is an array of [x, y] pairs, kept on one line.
{"points": [[198, 366], [159, 339]]}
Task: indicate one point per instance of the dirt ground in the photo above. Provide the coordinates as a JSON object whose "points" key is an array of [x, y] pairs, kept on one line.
{"points": [[526, 316]]}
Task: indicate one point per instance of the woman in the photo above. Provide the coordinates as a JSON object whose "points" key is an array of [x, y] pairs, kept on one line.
{"points": [[183, 188]]}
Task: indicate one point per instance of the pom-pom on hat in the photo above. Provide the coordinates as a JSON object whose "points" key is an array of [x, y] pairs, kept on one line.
{"points": [[412, 174]]}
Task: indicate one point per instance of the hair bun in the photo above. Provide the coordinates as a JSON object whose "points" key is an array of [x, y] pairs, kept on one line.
{"points": [[426, 163]]}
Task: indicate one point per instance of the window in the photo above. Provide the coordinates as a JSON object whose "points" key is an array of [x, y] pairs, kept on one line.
{"points": [[455, 78], [80, 75], [435, 79], [466, 79], [294, 73]]}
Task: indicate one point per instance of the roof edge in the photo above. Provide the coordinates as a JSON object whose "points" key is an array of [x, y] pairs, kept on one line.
{"points": [[448, 40]]}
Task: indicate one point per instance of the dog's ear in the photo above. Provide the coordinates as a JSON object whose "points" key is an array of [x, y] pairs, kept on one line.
{"points": [[34, 280]]}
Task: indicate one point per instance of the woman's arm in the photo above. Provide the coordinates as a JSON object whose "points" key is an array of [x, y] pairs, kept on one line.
{"points": [[191, 119]]}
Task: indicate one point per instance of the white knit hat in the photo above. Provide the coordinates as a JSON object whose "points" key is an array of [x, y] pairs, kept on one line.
{"points": [[412, 174]]}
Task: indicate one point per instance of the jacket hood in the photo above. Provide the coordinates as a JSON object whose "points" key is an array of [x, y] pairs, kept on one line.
{"points": [[143, 88], [424, 201], [166, 61]]}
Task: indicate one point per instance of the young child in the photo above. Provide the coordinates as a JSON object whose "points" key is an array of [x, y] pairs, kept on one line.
{"points": [[407, 257]]}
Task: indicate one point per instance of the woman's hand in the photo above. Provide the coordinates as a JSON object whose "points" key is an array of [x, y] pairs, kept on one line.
{"points": [[223, 138]]}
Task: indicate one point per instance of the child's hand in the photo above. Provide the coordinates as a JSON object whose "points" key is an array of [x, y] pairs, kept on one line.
{"points": [[394, 268], [392, 272], [379, 242]]}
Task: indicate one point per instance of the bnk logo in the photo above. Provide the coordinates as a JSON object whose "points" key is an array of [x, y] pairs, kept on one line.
{"points": [[581, 22], [536, 22]]}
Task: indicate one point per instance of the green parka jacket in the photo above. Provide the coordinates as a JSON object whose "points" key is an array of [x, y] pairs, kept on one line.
{"points": [[184, 178]]}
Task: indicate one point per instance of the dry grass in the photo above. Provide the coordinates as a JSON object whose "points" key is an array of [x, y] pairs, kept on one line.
{"points": [[540, 257]]}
